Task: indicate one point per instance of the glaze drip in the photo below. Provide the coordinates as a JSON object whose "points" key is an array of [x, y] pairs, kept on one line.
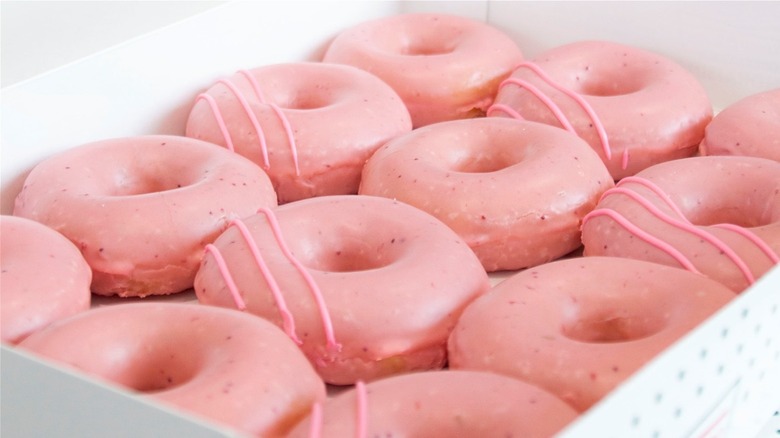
{"points": [[361, 406], [315, 426]]}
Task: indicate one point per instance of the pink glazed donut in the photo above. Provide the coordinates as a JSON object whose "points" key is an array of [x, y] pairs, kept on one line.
{"points": [[311, 126], [751, 127], [634, 107], [367, 286], [141, 209], [719, 216], [439, 403], [579, 327], [231, 368], [44, 278], [444, 67], [515, 191]]}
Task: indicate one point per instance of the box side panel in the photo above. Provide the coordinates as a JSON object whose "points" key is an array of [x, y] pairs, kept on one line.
{"points": [[40, 400]]}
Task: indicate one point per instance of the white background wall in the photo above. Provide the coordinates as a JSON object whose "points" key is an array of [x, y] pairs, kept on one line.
{"points": [[40, 35]]}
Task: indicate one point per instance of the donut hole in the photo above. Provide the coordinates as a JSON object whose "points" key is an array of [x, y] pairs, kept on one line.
{"points": [[353, 255], [610, 85], [608, 327], [307, 101], [484, 163], [427, 47], [143, 180], [162, 371]]}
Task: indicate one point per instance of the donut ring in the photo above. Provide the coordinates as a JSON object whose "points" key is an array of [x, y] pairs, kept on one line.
{"points": [[444, 67], [579, 327], [139, 212], [541, 182], [750, 126], [229, 367], [367, 286], [44, 278], [439, 403], [310, 126], [634, 107], [719, 216]]}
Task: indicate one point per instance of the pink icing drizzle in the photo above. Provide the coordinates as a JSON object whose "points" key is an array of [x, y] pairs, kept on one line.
{"points": [[624, 163], [279, 113], [361, 405], [556, 110], [332, 345], [684, 224], [252, 118], [688, 227], [600, 130], [744, 232], [287, 318], [218, 117], [642, 234], [223, 269], [749, 235]]}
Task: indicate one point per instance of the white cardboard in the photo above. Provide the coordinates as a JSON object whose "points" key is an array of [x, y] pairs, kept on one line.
{"points": [[720, 378]]}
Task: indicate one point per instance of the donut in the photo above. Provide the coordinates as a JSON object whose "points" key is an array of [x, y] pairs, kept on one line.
{"points": [[579, 327], [750, 126], [634, 107], [439, 403], [444, 67], [232, 368], [141, 209], [514, 190], [716, 215], [367, 286], [43, 275], [310, 126]]}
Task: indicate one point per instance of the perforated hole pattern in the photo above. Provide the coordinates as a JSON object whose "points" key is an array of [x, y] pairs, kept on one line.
{"points": [[722, 380]]}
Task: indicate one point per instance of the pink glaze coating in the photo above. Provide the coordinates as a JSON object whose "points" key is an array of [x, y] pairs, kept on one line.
{"points": [[750, 126], [444, 67], [141, 209], [43, 275], [226, 366], [440, 403], [310, 126], [717, 215], [579, 327], [367, 286], [635, 108], [515, 191]]}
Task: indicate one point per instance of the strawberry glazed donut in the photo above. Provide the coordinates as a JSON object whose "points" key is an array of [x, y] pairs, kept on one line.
{"points": [[234, 369], [718, 216], [439, 403], [635, 108], [310, 126], [751, 127], [142, 209], [368, 287], [444, 67], [515, 191], [579, 327], [44, 278]]}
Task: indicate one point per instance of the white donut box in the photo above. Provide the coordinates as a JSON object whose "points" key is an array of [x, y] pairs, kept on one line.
{"points": [[721, 380]]}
